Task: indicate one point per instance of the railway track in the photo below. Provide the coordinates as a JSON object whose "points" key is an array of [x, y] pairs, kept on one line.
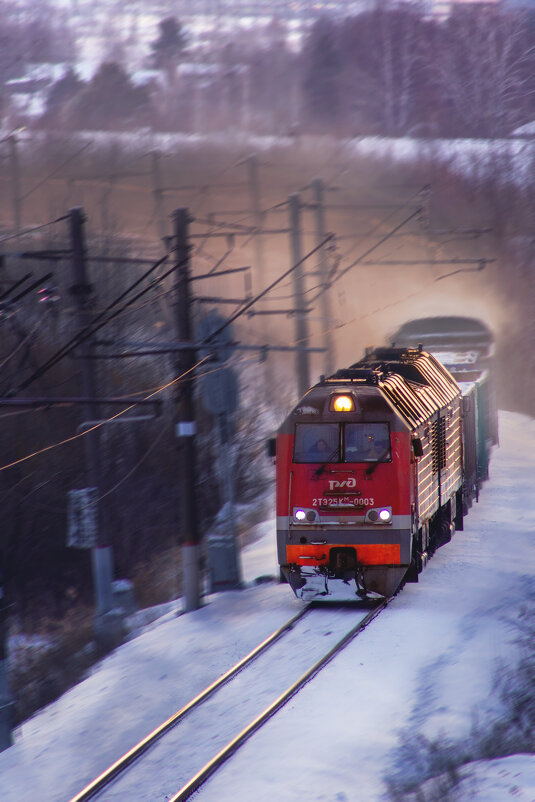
{"points": [[170, 757]]}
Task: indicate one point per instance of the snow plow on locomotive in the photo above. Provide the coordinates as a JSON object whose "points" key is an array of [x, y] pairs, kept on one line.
{"points": [[369, 476]]}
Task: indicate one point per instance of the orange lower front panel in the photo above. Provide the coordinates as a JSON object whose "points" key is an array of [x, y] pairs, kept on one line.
{"points": [[367, 554]]}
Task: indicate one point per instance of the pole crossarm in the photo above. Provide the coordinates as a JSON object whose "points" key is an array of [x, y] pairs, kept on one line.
{"points": [[172, 348], [271, 286], [73, 400], [220, 273], [409, 262], [212, 299], [242, 232], [304, 311]]}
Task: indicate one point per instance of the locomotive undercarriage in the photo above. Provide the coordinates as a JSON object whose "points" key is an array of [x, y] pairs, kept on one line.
{"points": [[344, 564], [343, 584]]}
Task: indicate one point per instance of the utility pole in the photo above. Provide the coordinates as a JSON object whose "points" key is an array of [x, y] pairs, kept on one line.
{"points": [[101, 552], [185, 425], [319, 205], [301, 322], [157, 192], [254, 189], [15, 183], [6, 703]]}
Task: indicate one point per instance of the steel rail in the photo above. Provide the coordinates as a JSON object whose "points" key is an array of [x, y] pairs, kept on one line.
{"points": [[194, 784], [107, 776]]}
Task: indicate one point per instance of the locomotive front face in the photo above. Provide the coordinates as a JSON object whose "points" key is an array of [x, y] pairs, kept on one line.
{"points": [[344, 494]]}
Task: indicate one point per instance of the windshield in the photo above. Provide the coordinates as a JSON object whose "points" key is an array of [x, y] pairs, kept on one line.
{"points": [[346, 442], [366, 442], [317, 442]]}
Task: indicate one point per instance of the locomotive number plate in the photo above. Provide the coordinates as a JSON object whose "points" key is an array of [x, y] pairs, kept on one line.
{"points": [[343, 501]]}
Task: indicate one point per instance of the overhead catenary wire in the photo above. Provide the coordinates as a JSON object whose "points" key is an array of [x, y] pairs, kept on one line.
{"points": [[422, 289], [92, 327], [382, 222], [14, 286], [273, 284], [26, 231], [184, 376], [24, 341], [103, 422], [54, 172], [370, 250], [91, 330], [240, 311]]}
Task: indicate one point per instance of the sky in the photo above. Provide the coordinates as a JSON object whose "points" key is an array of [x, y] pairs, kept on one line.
{"points": [[423, 668]]}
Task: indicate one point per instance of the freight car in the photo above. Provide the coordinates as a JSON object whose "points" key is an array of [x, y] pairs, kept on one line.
{"points": [[369, 469], [466, 347]]}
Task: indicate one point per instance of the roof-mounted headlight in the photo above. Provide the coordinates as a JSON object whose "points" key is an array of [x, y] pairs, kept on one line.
{"points": [[342, 403]]}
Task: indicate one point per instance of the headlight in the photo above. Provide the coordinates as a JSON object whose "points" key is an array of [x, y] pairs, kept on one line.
{"points": [[302, 515], [342, 403], [379, 515]]}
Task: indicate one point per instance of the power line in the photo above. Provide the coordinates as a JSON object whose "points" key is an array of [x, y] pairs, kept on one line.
{"points": [[53, 173], [260, 295], [376, 245], [34, 228], [92, 328], [102, 422]]}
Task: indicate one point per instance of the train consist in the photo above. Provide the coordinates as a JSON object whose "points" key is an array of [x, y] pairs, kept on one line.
{"points": [[378, 464], [466, 347]]}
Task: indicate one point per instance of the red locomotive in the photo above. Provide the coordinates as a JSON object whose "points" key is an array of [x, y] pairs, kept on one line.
{"points": [[369, 476]]}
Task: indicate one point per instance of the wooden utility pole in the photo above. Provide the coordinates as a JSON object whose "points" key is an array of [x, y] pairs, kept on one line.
{"points": [[82, 291], [185, 424], [323, 271], [301, 322]]}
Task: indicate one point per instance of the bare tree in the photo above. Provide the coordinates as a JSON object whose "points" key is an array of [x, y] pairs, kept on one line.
{"points": [[398, 33], [322, 68], [483, 70], [383, 68]]}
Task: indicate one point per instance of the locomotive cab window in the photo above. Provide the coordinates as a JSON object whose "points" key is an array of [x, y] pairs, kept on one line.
{"points": [[366, 442], [316, 442]]}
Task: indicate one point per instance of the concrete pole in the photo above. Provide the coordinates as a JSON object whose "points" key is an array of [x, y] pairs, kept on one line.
{"points": [[326, 314], [6, 702], [254, 191], [185, 424], [102, 558], [259, 264], [229, 577], [301, 322], [157, 192], [15, 183]]}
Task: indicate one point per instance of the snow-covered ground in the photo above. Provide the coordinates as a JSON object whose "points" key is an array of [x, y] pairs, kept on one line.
{"points": [[423, 667]]}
